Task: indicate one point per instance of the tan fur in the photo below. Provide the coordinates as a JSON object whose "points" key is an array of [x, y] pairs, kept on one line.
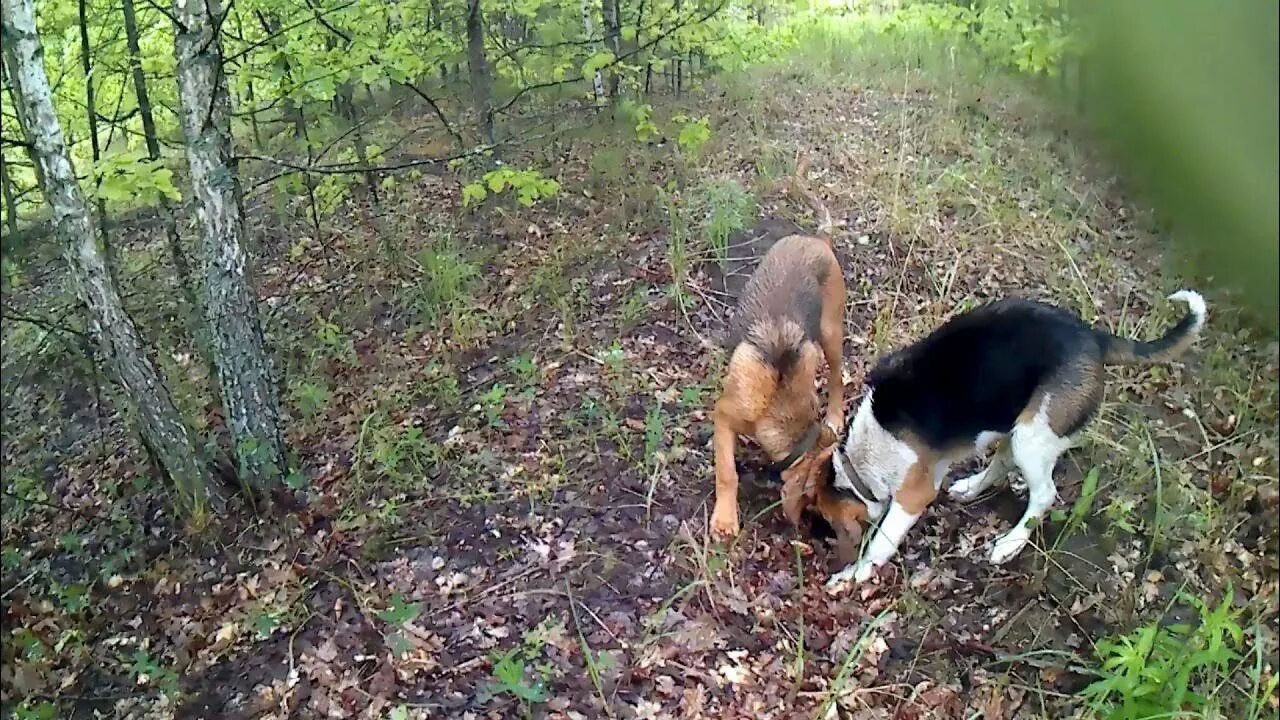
{"points": [[803, 484], [846, 516], [778, 408], [1077, 393], [917, 489]]}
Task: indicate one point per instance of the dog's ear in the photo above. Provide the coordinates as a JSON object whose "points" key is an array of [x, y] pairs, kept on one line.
{"points": [[795, 497]]}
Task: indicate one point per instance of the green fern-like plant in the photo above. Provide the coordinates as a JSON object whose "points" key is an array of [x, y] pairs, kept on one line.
{"points": [[1169, 671]]}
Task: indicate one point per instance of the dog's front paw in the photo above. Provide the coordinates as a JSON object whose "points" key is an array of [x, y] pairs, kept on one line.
{"points": [[724, 523], [856, 573], [1009, 545], [967, 489]]}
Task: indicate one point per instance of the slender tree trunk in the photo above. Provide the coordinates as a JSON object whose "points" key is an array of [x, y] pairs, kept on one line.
{"points": [[181, 266], [121, 346], [26, 134], [347, 108], [294, 113], [597, 82], [249, 94], [648, 54], [613, 39], [478, 65], [230, 309], [676, 79], [91, 108], [10, 203]]}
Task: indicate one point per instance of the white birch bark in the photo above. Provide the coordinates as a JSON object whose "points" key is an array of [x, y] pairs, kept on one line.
{"points": [[597, 83], [230, 310], [145, 394]]}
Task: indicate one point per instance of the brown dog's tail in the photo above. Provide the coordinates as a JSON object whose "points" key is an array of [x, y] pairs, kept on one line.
{"points": [[1122, 351], [779, 342], [801, 188]]}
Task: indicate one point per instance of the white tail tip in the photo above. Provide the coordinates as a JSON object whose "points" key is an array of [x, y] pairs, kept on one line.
{"points": [[1195, 302]]}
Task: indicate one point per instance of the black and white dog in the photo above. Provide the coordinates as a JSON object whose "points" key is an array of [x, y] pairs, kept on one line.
{"points": [[1023, 373]]}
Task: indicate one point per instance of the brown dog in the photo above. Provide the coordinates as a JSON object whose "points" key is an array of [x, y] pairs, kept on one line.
{"points": [[790, 313]]}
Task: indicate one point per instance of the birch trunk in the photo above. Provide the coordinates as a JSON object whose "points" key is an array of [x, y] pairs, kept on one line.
{"points": [[121, 347], [597, 82], [233, 330]]}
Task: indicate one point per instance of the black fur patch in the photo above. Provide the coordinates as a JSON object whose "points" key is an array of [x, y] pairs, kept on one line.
{"points": [[978, 371], [819, 528]]}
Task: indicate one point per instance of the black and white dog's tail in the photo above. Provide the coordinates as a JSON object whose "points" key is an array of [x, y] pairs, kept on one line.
{"points": [[1122, 351]]}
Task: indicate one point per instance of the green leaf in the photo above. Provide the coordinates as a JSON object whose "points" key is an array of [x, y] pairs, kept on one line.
{"points": [[473, 193], [596, 63], [399, 611], [497, 180], [162, 180]]}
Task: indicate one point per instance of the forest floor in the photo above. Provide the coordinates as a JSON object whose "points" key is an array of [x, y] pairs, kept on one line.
{"points": [[501, 418]]}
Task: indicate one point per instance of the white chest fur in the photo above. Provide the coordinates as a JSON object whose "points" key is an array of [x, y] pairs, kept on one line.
{"points": [[880, 459]]}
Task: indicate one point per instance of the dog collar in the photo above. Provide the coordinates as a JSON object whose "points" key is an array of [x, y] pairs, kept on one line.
{"points": [[805, 445], [856, 484]]}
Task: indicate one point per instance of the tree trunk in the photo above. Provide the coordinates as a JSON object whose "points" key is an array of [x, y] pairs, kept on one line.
{"points": [[181, 267], [249, 95], [638, 43], [230, 309], [10, 203], [293, 112], [26, 135], [347, 109], [613, 39], [91, 108], [597, 82], [158, 419], [478, 65]]}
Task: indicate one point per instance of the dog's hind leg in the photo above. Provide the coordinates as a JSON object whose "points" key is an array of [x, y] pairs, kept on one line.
{"points": [[967, 489], [1035, 448], [832, 329]]}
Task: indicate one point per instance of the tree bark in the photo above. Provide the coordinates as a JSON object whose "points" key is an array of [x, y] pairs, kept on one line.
{"points": [[613, 39], [91, 108], [230, 309], [478, 65], [27, 147], [181, 266], [347, 109], [10, 203], [121, 346], [588, 27], [249, 94]]}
